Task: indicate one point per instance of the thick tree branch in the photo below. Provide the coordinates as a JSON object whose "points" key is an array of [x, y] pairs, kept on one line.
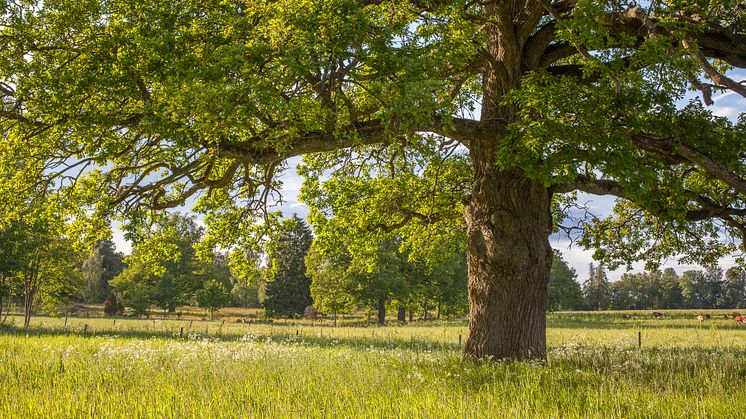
{"points": [[668, 147], [705, 209], [590, 185], [360, 134], [724, 43], [711, 71]]}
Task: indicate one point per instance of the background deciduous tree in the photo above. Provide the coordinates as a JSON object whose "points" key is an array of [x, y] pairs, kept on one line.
{"points": [[212, 296]]}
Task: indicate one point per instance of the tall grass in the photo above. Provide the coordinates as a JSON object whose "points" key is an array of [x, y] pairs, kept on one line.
{"points": [[138, 368]]}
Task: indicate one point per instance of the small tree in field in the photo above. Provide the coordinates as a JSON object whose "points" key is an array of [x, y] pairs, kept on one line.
{"points": [[212, 297]]}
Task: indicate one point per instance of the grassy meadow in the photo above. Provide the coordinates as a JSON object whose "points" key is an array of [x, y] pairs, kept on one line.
{"points": [[99, 367]]}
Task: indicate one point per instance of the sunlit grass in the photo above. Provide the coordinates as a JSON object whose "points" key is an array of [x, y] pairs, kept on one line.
{"points": [[142, 368]]}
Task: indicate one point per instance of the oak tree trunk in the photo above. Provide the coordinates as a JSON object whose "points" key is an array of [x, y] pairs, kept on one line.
{"points": [[508, 224], [508, 218]]}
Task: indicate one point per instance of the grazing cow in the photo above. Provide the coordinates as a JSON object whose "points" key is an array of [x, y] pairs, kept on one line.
{"points": [[625, 316], [735, 314], [701, 319], [657, 315], [740, 319]]}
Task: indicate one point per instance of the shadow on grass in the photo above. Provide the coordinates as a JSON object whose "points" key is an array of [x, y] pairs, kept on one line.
{"points": [[308, 336]]}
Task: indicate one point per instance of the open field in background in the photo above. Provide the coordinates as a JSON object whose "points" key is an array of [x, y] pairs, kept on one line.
{"points": [[142, 368]]}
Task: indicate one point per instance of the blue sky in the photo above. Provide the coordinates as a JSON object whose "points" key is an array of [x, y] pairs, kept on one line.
{"points": [[728, 105]]}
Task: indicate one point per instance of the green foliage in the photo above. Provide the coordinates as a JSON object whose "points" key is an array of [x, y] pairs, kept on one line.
{"points": [[164, 265], [115, 109], [38, 261], [247, 294], [103, 264], [734, 288], [596, 289], [564, 291], [246, 271], [287, 290], [701, 289], [113, 305], [388, 225], [212, 296], [331, 284], [137, 295]]}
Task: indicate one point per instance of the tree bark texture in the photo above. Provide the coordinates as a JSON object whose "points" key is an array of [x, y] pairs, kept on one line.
{"points": [[508, 218], [509, 257]]}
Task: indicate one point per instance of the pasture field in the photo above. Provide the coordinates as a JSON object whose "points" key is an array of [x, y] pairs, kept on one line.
{"points": [[147, 368]]}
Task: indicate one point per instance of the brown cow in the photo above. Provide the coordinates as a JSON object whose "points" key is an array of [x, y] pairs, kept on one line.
{"points": [[657, 315], [735, 314], [740, 319]]}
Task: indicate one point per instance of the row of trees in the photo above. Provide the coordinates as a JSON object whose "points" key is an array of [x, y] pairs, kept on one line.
{"points": [[43, 266], [697, 289], [38, 266], [693, 289], [307, 272], [164, 270]]}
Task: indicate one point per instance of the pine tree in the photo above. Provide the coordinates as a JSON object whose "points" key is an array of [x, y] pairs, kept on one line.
{"points": [[100, 267], [288, 290], [564, 291], [596, 290]]}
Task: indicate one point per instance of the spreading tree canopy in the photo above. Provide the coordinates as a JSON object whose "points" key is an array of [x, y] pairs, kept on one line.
{"points": [[130, 106]]}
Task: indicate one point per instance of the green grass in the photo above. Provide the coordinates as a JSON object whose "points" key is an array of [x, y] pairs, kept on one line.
{"points": [[141, 368]]}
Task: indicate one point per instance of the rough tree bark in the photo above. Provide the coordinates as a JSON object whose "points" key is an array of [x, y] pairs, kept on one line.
{"points": [[509, 258], [508, 218]]}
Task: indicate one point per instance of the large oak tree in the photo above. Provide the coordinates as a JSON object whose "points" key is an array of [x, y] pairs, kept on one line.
{"points": [[170, 100]]}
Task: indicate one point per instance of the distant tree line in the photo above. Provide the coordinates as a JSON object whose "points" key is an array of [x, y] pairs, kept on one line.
{"points": [[694, 289]]}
